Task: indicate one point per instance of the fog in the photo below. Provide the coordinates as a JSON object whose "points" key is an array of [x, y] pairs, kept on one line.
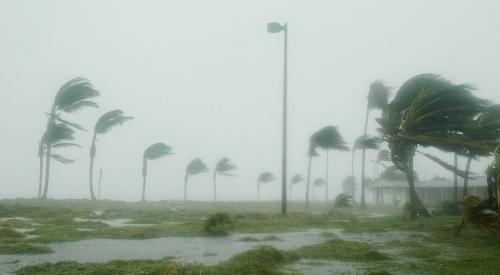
{"points": [[205, 77]]}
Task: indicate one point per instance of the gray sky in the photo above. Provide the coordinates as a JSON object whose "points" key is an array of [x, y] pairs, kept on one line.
{"points": [[205, 77]]}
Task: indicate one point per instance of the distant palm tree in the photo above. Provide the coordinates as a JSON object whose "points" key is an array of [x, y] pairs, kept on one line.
{"points": [[317, 183], [72, 96], [263, 178], [196, 166], [102, 126], [223, 167], [155, 151], [298, 178], [329, 138], [363, 143], [310, 153], [349, 185]]}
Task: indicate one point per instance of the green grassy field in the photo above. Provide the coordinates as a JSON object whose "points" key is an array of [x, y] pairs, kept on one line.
{"points": [[366, 243]]}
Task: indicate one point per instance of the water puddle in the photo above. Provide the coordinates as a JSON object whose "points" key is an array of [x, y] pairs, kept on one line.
{"points": [[113, 222], [15, 219]]}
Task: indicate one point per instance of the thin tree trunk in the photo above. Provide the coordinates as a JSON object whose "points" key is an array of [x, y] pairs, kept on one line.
{"points": [[363, 155], [144, 175], [290, 192], [185, 185], [215, 185], [40, 176], [91, 167], [308, 181], [455, 178], [100, 180], [416, 206], [326, 176], [47, 171], [466, 178]]}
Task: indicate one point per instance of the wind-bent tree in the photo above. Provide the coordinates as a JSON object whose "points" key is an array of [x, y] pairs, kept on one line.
{"points": [[196, 166], [72, 96], [428, 110], [484, 127], [155, 151], [363, 143], [296, 179], [318, 183], [349, 186], [223, 167], [102, 126], [310, 153], [263, 178], [328, 138], [383, 155]]}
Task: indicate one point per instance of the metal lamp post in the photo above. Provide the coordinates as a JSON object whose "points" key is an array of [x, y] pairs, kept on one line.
{"points": [[275, 28]]}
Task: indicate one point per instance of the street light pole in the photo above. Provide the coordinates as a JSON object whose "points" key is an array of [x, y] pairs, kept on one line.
{"points": [[274, 28]]}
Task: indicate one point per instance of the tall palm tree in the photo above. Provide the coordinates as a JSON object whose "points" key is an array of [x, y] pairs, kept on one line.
{"points": [[105, 123], [363, 143], [428, 110], [155, 151], [72, 96], [223, 167], [486, 126], [196, 166], [318, 183], [310, 153], [296, 179], [263, 178], [329, 138]]}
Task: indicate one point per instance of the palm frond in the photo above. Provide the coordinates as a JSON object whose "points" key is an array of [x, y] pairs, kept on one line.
{"points": [[349, 185], [343, 200], [57, 133], [62, 159], [446, 165], [297, 179], [157, 150], [72, 124], [383, 155], [378, 95], [78, 106], [110, 120], [266, 177], [319, 182], [74, 91], [65, 144], [328, 138], [366, 142], [224, 165], [196, 166]]}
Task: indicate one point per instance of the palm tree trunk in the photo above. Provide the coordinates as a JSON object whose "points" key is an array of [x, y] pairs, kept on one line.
{"points": [[455, 178], [363, 155], [308, 181], [185, 185], [40, 175], [144, 175], [290, 192], [47, 172], [416, 206], [215, 185], [466, 178], [91, 168], [100, 180], [326, 176]]}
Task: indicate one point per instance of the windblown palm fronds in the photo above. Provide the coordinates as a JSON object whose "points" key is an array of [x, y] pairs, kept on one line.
{"points": [[297, 179], [153, 152], [263, 178], [343, 200], [378, 95], [223, 167], [196, 166]]}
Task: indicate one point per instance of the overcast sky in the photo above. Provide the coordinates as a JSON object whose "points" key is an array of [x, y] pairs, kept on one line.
{"points": [[205, 77]]}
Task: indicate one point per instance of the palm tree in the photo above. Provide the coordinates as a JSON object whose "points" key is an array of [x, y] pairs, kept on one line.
{"points": [[486, 126], [383, 155], [263, 178], [310, 153], [328, 138], [223, 167], [102, 126], [196, 166], [155, 151], [72, 96], [298, 178], [343, 200], [363, 142], [317, 183], [428, 110], [349, 186]]}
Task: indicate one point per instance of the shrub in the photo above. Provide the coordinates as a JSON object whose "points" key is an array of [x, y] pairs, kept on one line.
{"points": [[219, 223]]}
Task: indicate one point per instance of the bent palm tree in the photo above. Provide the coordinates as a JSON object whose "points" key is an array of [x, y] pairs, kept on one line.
{"points": [[363, 143], [102, 126], [317, 183], [310, 153], [72, 96], [155, 151], [349, 186], [223, 167], [196, 166], [329, 138], [263, 178], [298, 178], [428, 111]]}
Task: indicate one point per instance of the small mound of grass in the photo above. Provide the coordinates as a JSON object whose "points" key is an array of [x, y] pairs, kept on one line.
{"points": [[327, 235], [248, 239], [218, 224], [6, 232], [272, 238], [341, 250], [23, 248]]}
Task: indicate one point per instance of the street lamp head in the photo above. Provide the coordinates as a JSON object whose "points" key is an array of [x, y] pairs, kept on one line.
{"points": [[274, 27]]}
